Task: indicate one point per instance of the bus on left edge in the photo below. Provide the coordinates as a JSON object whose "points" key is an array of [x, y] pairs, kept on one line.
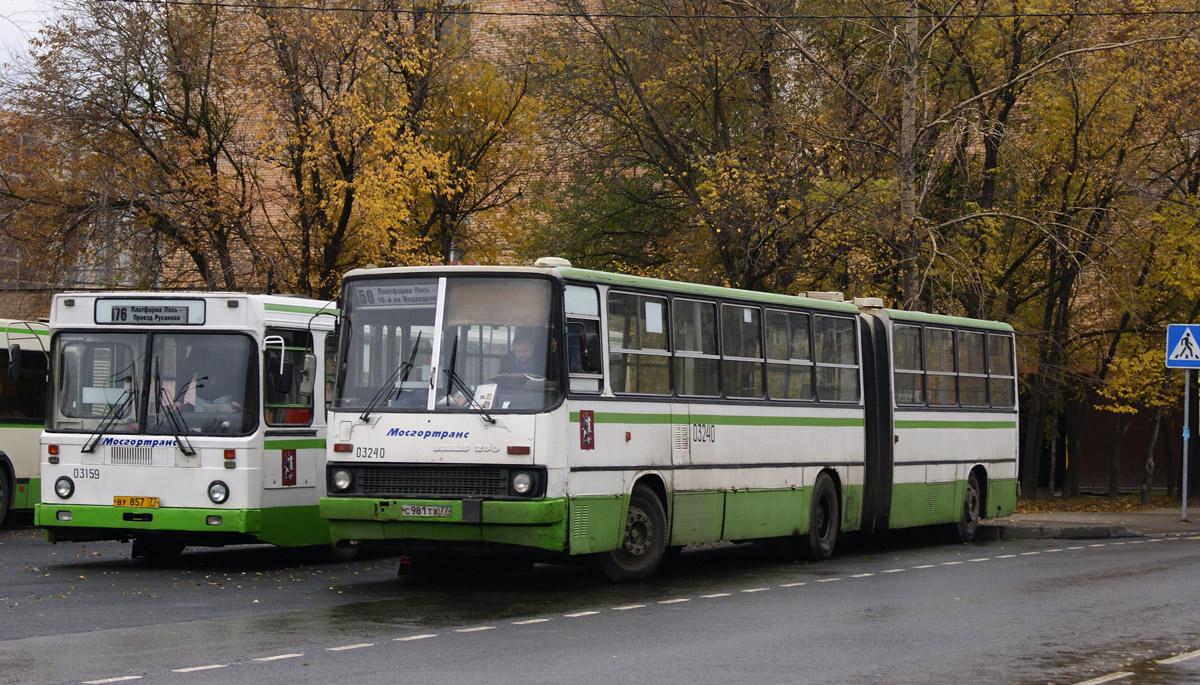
{"points": [[185, 419], [22, 412]]}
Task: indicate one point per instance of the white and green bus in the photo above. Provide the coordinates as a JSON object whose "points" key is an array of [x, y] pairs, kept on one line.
{"points": [[579, 412], [23, 349], [179, 419]]}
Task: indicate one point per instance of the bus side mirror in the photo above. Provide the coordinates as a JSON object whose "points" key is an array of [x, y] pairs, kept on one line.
{"points": [[308, 376], [14, 362]]}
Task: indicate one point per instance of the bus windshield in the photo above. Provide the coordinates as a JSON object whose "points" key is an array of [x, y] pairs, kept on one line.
{"points": [[494, 351], [159, 384]]}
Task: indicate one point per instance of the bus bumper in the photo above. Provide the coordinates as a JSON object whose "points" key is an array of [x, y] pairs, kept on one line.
{"points": [[540, 525], [284, 526]]}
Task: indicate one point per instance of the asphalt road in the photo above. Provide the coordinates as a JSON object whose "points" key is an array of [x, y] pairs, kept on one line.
{"points": [[911, 611]]}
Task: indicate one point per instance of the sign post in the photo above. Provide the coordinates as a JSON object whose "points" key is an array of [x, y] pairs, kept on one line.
{"points": [[1183, 352]]}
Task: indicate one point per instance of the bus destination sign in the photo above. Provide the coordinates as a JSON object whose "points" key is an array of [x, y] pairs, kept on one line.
{"points": [[150, 312]]}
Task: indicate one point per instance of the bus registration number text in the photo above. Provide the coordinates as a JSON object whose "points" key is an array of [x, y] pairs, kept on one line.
{"points": [[137, 502], [426, 510]]}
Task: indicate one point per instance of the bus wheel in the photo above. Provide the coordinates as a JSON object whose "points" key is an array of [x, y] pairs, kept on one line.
{"points": [[824, 519], [155, 550], [968, 522], [5, 494], [645, 541]]}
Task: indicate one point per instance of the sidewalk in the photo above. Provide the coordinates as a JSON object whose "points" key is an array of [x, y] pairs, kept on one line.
{"points": [[1087, 525]]}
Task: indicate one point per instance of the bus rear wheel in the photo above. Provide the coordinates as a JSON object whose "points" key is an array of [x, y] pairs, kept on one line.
{"points": [[968, 521], [824, 519], [645, 541]]}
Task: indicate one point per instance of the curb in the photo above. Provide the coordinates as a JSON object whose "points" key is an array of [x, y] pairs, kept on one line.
{"points": [[1051, 532]]}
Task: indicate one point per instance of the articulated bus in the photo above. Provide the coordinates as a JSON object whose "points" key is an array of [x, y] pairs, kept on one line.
{"points": [[577, 412], [22, 411], [179, 419]]}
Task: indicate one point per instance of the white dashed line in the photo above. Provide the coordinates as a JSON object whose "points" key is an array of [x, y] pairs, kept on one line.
{"points": [[476, 629], [828, 580], [1155, 540], [1007, 556], [118, 679], [627, 607], [1106, 678], [278, 657], [346, 648], [979, 559], [1099, 544], [924, 566], [793, 584], [951, 563], [531, 621], [756, 589], [580, 614], [862, 575], [1136, 542], [1056, 549], [715, 595], [410, 638], [1180, 658], [675, 601], [1075, 547], [193, 669], [895, 570], [1030, 554]]}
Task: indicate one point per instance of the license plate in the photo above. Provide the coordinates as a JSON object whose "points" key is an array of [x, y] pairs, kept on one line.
{"points": [[136, 502], [426, 510]]}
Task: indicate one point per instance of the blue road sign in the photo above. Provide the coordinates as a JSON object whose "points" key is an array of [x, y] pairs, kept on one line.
{"points": [[1183, 346]]}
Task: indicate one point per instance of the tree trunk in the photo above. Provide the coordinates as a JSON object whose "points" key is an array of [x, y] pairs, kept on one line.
{"points": [[1114, 471], [1172, 483], [906, 163], [1034, 430], [1148, 471]]}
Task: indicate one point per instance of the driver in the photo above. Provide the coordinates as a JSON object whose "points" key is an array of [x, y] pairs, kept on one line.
{"points": [[521, 358]]}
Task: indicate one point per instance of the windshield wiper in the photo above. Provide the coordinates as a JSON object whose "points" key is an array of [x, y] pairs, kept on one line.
{"points": [[117, 410], [178, 425], [454, 380], [385, 391]]}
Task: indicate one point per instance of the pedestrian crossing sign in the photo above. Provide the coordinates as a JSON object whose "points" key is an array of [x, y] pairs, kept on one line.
{"points": [[1183, 346]]}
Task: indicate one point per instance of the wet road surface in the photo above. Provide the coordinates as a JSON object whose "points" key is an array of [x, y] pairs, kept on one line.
{"points": [[908, 611]]}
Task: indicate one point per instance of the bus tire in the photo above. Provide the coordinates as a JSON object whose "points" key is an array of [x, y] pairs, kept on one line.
{"points": [[968, 520], [645, 541], [824, 519], [6, 493]]}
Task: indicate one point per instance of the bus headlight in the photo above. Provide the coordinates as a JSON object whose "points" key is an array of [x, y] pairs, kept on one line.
{"points": [[341, 479], [218, 492], [522, 483], [64, 487]]}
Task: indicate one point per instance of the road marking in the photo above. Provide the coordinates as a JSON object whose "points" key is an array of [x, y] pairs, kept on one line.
{"points": [[277, 657], [924, 566], [980, 559], [1099, 544], [1106, 678], [715, 595], [793, 584], [1155, 540], [627, 607], [951, 563], [118, 679], [895, 570], [675, 601], [1180, 658], [756, 589], [1075, 547], [193, 669], [1006, 556], [828, 580], [345, 648], [1030, 554], [476, 629], [1056, 549], [530, 621], [410, 638], [579, 614], [862, 575]]}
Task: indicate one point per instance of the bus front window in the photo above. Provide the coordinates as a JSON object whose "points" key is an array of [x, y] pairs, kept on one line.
{"points": [[496, 351], [202, 384], [97, 380]]}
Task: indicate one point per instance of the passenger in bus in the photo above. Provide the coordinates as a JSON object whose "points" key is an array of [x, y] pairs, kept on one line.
{"points": [[521, 358], [213, 386]]}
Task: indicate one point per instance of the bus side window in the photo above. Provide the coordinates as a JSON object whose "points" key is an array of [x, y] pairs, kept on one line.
{"points": [[330, 372], [283, 360], [584, 355]]}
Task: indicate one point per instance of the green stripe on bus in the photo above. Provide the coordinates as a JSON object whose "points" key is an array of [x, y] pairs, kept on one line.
{"points": [[297, 309], [723, 420], [956, 424], [25, 330], [12, 424], [297, 444]]}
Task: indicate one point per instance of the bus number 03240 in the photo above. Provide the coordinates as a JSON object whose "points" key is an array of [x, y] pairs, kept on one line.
{"points": [[368, 452], [704, 432]]}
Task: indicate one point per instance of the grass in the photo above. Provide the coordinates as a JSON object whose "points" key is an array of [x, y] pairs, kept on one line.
{"points": [[1101, 503]]}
